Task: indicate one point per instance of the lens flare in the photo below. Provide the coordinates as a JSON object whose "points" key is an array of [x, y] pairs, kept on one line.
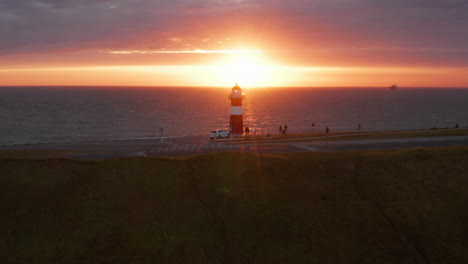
{"points": [[245, 69]]}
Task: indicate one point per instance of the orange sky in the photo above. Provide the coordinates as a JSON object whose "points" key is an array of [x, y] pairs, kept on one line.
{"points": [[216, 43], [211, 76]]}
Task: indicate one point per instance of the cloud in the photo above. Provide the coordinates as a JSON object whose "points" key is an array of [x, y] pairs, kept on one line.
{"points": [[298, 26], [129, 52], [48, 24]]}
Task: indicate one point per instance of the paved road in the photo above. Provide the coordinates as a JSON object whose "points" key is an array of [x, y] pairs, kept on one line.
{"points": [[175, 147], [189, 146], [393, 143], [284, 147]]}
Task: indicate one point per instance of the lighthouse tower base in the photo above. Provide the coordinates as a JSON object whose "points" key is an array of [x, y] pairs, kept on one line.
{"points": [[236, 124]]}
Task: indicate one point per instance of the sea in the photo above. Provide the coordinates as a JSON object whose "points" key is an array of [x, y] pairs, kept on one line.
{"points": [[37, 115]]}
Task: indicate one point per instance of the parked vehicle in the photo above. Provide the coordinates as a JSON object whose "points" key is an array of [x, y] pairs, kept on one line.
{"points": [[219, 133]]}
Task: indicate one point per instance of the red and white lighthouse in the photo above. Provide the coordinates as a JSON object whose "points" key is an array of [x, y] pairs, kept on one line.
{"points": [[236, 123]]}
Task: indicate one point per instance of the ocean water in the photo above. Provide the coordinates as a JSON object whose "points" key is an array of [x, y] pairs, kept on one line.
{"points": [[30, 115]]}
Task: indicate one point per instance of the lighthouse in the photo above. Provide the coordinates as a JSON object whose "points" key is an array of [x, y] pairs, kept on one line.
{"points": [[236, 124]]}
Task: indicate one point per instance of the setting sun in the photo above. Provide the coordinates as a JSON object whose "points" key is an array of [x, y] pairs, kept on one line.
{"points": [[247, 69]]}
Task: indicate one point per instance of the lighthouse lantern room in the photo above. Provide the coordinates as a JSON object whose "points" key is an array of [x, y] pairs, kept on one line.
{"points": [[236, 124]]}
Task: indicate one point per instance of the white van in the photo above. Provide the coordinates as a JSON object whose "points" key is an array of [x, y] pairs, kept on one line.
{"points": [[219, 133]]}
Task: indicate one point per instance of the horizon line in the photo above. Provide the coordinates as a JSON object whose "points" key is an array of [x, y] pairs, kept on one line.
{"points": [[212, 86]]}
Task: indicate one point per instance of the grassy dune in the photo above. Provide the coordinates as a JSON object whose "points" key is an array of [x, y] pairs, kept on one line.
{"points": [[407, 206]]}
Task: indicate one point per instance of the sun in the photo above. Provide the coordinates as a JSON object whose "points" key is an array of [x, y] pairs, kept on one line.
{"points": [[245, 69]]}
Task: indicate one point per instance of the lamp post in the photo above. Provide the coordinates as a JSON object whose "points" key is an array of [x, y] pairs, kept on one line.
{"points": [[161, 130]]}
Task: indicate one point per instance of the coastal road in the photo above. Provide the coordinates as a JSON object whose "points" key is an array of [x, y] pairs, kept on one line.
{"points": [[287, 147], [189, 146], [377, 144]]}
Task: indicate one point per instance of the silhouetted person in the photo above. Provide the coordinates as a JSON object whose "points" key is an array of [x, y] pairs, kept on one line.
{"points": [[280, 129], [313, 124], [247, 130], [285, 129], [457, 126], [327, 130], [359, 126]]}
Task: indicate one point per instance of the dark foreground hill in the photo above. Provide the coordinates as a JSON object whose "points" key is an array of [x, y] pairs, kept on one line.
{"points": [[370, 207]]}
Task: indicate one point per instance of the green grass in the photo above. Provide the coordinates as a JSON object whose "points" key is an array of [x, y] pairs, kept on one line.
{"points": [[405, 206]]}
